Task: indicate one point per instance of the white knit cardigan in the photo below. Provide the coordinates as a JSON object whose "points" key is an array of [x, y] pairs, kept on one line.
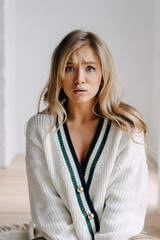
{"points": [[105, 198]]}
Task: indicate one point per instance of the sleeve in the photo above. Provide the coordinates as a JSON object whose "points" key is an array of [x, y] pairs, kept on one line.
{"points": [[126, 198], [49, 214]]}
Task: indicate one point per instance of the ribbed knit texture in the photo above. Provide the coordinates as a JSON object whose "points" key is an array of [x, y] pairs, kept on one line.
{"points": [[116, 192]]}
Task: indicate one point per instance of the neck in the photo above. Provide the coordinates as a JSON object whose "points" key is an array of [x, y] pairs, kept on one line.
{"points": [[80, 112]]}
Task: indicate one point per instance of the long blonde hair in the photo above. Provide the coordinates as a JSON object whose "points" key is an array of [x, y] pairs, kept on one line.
{"points": [[107, 102]]}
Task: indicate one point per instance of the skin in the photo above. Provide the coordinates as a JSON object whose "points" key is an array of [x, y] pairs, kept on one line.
{"points": [[81, 83]]}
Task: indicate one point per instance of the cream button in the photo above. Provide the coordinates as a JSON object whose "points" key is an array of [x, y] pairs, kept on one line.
{"points": [[90, 216], [80, 189]]}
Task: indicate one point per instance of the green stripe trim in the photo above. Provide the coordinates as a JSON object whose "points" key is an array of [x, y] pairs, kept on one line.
{"points": [[98, 155], [74, 183]]}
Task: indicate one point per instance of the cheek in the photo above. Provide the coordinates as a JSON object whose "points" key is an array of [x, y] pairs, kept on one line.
{"points": [[96, 85], [67, 80], [97, 81], [67, 87], [65, 83], [97, 88]]}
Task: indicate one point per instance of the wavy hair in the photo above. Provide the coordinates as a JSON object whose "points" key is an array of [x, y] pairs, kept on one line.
{"points": [[107, 102]]}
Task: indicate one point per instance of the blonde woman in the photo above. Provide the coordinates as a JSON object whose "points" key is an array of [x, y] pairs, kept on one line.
{"points": [[85, 153]]}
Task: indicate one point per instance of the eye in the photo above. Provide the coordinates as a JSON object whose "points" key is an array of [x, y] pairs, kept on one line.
{"points": [[90, 68], [69, 69]]}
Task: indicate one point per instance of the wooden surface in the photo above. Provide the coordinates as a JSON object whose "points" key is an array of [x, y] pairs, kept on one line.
{"points": [[14, 200]]}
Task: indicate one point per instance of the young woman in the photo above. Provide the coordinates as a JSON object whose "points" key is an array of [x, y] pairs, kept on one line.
{"points": [[85, 153]]}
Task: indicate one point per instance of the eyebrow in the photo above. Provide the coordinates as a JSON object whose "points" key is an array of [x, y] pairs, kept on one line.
{"points": [[90, 62]]}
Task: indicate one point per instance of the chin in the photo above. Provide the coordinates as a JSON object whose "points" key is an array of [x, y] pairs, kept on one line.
{"points": [[79, 101]]}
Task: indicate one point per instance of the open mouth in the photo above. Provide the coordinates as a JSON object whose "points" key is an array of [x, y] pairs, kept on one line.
{"points": [[79, 90]]}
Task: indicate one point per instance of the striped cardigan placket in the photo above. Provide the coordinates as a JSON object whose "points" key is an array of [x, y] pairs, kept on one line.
{"points": [[75, 169], [97, 152], [83, 197]]}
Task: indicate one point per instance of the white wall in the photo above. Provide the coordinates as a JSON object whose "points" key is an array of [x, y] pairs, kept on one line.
{"points": [[154, 108], [126, 26], [10, 112], [154, 88], [2, 132]]}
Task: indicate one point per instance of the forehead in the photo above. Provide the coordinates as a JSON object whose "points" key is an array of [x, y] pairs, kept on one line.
{"points": [[84, 53]]}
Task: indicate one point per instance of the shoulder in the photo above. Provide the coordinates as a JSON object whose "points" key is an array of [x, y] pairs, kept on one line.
{"points": [[39, 122], [117, 135], [122, 141], [40, 119]]}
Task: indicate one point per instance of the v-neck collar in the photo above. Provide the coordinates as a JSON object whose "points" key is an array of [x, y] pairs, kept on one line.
{"points": [[91, 148], [83, 180]]}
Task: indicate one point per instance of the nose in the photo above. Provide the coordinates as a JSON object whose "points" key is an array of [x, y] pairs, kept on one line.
{"points": [[79, 76]]}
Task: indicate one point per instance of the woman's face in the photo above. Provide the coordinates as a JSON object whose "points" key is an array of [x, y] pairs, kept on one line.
{"points": [[83, 75]]}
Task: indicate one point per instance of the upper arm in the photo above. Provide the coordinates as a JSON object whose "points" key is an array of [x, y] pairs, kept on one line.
{"points": [[126, 196], [47, 208]]}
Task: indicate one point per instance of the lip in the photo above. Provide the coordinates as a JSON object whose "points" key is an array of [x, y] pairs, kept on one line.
{"points": [[79, 90]]}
